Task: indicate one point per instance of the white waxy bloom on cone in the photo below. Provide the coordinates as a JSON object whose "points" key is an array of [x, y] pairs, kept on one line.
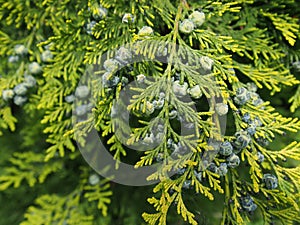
{"points": [[7, 94], [198, 18], [195, 92], [221, 109], [94, 179], [110, 64], [186, 26], [20, 100], [180, 89], [46, 56], [145, 31], [20, 49], [82, 91], [29, 81], [34, 68], [128, 18], [20, 89], [206, 63], [140, 78]]}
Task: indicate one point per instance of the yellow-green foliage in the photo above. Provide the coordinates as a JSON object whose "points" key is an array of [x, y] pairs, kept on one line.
{"points": [[247, 40]]}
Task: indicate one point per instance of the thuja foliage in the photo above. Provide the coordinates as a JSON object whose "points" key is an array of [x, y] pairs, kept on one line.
{"points": [[230, 58]]}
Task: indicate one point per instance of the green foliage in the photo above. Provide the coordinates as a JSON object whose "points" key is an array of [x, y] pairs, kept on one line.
{"points": [[58, 210], [27, 166], [239, 42]]}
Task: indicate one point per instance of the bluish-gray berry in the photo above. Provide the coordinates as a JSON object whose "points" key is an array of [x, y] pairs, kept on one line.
{"points": [[81, 110], [296, 65], [123, 55], [248, 203], [90, 26], [270, 181], [158, 104], [246, 200], [20, 89], [109, 80], [212, 167], [251, 129], [149, 139], [187, 184], [48, 46], [149, 108], [258, 102], [222, 169], [46, 56], [20, 100], [226, 148], [206, 63], [128, 18], [7, 94], [99, 13], [170, 142], [221, 109], [29, 81], [160, 157], [198, 175], [233, 161], [256, 122], [145, 31], [161, 51], [242, 96], [20, 49], [186, 26], [197, 17], [162, 95], [13, 58], [242, 139], [195, 91], [251, 87], [260, 157], [110, 65], [140, 78], [94, 179], [246, 117], [173, 114], [251, 208], [262, 141], [82, 91], [34, 68], [180, 89], [70, 98], [254, 96]]}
